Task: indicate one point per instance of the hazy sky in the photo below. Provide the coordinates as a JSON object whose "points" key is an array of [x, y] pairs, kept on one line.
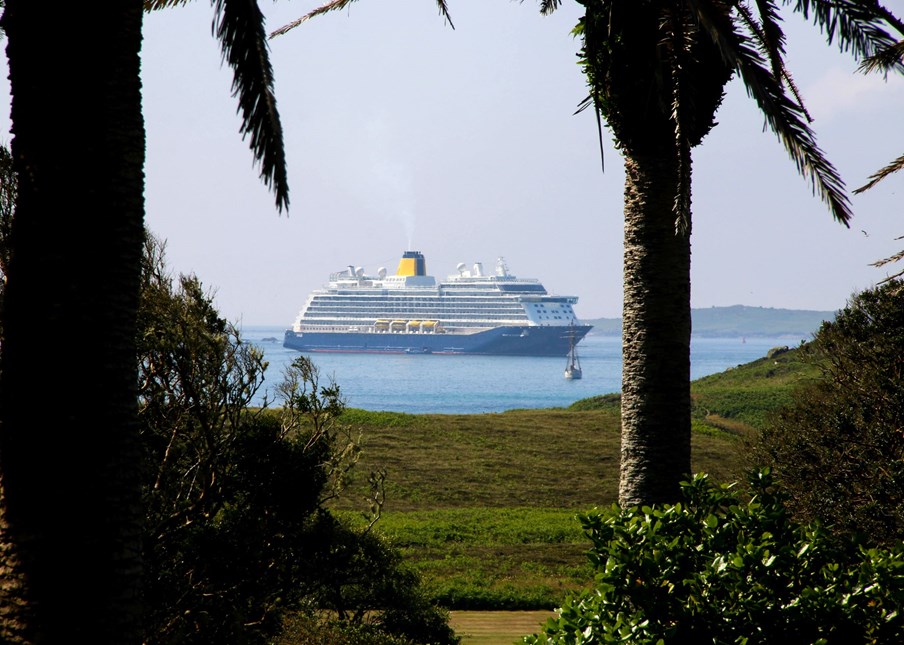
{"points": [[403, 133]]}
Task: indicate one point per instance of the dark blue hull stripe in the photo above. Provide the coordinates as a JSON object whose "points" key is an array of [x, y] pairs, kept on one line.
{"points": [[502, 341]]}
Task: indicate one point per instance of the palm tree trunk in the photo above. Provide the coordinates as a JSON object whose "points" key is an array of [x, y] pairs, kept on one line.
{"points": [[655, 417], [68, 447]]}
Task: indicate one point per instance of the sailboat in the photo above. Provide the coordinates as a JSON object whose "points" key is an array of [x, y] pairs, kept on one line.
{"points": [[573, 367]]}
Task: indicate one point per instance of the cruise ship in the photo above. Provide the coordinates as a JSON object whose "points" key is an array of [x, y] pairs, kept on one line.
{"points": [[412, 313]]}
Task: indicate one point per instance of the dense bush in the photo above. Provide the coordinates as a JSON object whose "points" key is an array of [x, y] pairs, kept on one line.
{"points": [[306, 629], [359, 579], [237, 534], [718, 568], [839, 448]]}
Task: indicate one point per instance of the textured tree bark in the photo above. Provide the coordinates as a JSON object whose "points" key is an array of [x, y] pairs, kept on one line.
{"points": [[655, 412], [70, 552]]}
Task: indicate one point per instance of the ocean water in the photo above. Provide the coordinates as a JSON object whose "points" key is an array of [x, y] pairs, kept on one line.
{"points": [[431, 383]]}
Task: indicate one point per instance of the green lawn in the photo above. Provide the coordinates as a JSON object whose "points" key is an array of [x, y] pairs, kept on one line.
{"points": [[484, 506]]}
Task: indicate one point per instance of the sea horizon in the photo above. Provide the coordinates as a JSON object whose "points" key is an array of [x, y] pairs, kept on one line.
{"points": [[467, 384]]}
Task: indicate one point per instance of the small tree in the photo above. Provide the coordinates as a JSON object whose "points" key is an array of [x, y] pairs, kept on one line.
{"points": [[237, 533], [839, 448], [224, 494]]}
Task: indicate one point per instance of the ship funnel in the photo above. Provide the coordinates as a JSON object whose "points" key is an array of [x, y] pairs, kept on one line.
{"points": [[478, 269], [412, 263]]}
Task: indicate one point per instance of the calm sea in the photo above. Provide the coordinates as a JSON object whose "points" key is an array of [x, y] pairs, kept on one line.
{"points": [[423, 383]]}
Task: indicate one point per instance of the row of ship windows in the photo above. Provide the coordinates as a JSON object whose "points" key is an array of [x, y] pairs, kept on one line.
{"points": [[367, 321], [431, 302], [427, 312], [450, 291], [417, 306], [435, 297], [343, 325], [357, 320], [434, 301], [415, 314], [418, 311], [496, 317], [424, 300]]}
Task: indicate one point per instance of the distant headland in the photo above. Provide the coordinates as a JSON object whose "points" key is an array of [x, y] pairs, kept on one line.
{"points": [[737, 321]]}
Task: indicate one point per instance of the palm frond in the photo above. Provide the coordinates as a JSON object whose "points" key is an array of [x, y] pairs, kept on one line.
{"points": [[239, 26], [333, 5], [857, 25], [679, 47], [884, 61], [767, 30], [593, 98], [783, 115], [588, 101], [155, 5], [548, 6], [894, 258], [897, 257], [444, 12], [771, 28], [875, 178], [338, 5], [770, 41]]}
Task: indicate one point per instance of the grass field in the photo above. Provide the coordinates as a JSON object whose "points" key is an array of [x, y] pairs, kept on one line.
{"points": [[484, 506], [496, 627]]}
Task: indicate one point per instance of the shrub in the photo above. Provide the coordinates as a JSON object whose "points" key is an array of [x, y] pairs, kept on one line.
{"points": [[237, 534], [838, 449], [357, 577], [719, 569]]}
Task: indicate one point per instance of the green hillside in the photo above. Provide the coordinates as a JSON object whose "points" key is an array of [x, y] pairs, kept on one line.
{"points": [[484, 505], [739, 320], [742, 397]]}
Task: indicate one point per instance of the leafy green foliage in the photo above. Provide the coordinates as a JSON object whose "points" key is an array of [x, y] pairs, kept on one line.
{"points": [[236, 531], [360, 579], [838, 448], [227, 493], [307, 629], [725, 568]]}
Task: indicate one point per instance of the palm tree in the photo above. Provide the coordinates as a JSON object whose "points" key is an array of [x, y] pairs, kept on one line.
{"points": [[69, 524], [656, 72]]}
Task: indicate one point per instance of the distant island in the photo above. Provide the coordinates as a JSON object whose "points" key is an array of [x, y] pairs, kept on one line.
{"points": [[737, 321]]}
